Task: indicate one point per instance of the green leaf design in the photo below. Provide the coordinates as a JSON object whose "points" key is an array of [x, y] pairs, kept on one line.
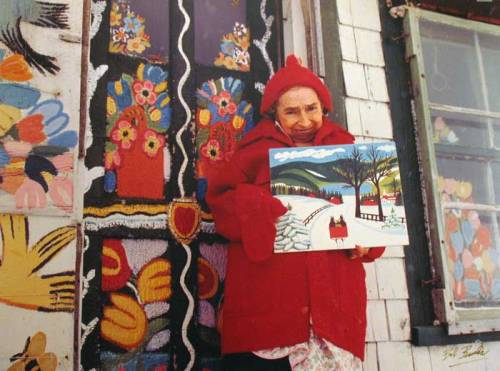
{"points": [[202, 137], [129, 79], [110, 146]]}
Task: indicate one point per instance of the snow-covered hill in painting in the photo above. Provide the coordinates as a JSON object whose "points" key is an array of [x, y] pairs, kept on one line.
{"points": [[316, 215]]}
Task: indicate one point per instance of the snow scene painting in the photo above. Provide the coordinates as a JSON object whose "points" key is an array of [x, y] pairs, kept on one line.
{"points": [[338, 197]]}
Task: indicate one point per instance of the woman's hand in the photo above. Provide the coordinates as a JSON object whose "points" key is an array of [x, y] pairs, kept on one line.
{"points": [[358, 252]]}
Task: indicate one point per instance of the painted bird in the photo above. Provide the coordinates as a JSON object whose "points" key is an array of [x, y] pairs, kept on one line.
{"points": [[39, 13]]}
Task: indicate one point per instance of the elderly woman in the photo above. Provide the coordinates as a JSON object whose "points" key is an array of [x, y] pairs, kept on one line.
{"points": [[285, 311]]}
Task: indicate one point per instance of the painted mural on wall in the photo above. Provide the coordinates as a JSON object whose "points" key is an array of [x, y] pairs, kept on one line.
{"points": [[39, 110], [136, 29], [39, 13], [34, 355], [37, 146], [224, 43], [223, 117], [40, 48], [144, 141], [136, 288], [37, 290], [138, 116], [211, 276]]}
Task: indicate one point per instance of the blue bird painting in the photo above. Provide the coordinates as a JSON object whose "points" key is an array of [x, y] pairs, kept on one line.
{"points": [[38, 13]]}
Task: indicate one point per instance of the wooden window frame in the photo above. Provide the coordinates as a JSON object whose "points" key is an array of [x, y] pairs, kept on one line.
{"points": [[458, 320]]}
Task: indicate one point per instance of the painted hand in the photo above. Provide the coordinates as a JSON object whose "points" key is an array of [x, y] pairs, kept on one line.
{"points": [[20, 285]]}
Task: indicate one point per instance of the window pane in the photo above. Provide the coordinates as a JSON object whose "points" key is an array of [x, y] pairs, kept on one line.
{"points": [[463, 180], [473, 257], [490, 52], [140, 28], [451, 65], [457, 129], [497, 136], [222, 37], [496, 180]]}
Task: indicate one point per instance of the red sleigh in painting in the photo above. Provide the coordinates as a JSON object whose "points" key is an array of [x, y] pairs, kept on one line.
{"points": [[338, 228]]}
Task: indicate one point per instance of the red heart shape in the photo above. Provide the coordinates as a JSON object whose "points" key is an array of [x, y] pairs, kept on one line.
{"points": [[184, 220]]}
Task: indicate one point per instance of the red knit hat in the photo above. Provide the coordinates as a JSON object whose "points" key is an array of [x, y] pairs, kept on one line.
{"points": [[293, 74]]}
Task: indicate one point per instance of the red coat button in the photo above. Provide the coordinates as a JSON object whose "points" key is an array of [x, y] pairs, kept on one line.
{"points": [[305, 310]]}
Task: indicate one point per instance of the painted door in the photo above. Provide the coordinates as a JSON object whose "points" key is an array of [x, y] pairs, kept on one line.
{"points": [[173, 86]]}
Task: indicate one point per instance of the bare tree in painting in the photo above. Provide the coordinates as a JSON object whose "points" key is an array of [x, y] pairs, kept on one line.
{"points": [[354, 172], [380, 167]]}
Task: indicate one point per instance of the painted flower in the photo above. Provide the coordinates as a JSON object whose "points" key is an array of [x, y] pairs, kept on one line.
{"points": [[203, 116], [30, 195], [124, 322], [137, 44], [439, 124], [451, 223], [109, 181], [115, 268], [115, 16], [120, 35], [124, 134], [161, 113], [61, 192], [112, 160], [224, 103], [226, 61], [464, 190], [157, 75], [240, 29], [212, 150], [9, 115], [154, 281], [144, 92], [208, 280], [473, 218], [243, 119], [4, 157], [483, 236], [119, 96], [15, 68], [18, 95], [242, 58], [131, 23], [34, 356], [64, 162], [450, 185], [153, 142], [55, 120], [30, 129]]}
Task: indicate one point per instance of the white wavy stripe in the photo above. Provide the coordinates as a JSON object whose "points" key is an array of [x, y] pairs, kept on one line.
{"points": [[117, 220], [190, 308], [96, 8], [262, 43], [182, 81]]}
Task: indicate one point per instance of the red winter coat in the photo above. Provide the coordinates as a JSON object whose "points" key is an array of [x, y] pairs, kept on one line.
{"points": [[270, 298]]}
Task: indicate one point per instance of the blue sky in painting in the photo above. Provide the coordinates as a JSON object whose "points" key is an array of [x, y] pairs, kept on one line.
{"points": [[322, 154]]}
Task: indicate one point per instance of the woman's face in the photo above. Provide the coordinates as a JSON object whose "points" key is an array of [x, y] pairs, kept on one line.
{"points": [[300, 113]]}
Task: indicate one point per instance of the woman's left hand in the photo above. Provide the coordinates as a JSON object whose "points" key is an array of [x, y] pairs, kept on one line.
{"points": [[358, 252]]}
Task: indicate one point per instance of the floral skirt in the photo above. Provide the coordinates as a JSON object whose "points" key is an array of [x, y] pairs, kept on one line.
{"points": [[316, 354]]}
